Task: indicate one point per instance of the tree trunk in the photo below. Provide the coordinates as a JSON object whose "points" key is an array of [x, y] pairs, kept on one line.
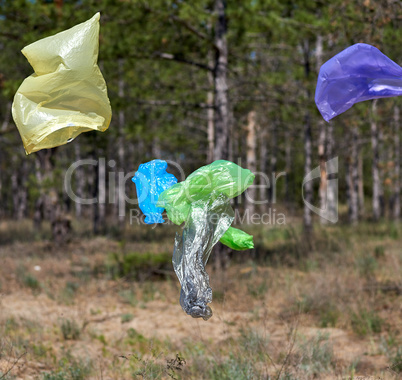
{"points": [[322, 193], [288, 168], [375, 166], [360, 184], [120, 188], [221, 108], [273, 161], [396, 201], [308, 186], [263, 170], [48, 204], [354, 178], [322, 153], [79, 179], [95, 195], [102, 193], [221, 149], [19, 189], [251, 159]]}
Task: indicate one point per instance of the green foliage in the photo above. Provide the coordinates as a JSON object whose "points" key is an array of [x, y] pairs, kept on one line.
{"points": [[137, 265]]}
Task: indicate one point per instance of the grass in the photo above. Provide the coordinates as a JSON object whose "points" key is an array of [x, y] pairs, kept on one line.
{"points": [[107, 308], [365, 322], [70, 368]]}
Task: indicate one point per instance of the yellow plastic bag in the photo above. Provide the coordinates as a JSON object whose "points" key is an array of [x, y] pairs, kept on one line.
{"points": [[67, 94]]}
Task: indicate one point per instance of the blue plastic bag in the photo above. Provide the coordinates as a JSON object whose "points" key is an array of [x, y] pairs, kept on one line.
{"points": [[358, 73], [151, 180]]}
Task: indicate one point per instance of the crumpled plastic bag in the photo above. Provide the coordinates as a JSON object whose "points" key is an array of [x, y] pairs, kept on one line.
{"points": [[208, 219], [67, 94], [151, 180], [237, 239], [221, 176], [358, 73]]}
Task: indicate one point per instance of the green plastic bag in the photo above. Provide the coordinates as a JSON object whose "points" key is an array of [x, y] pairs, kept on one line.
{"points": [[67, 94], [237, 239], [221, 176]]}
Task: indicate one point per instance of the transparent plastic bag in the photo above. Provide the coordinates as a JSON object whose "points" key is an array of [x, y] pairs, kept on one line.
{"points": [[67, 94], [207, 221], [151, 179]]}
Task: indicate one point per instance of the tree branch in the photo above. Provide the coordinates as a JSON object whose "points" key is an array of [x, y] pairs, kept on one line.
{"points": [[172, 57], [184, 23], [173, 103]]}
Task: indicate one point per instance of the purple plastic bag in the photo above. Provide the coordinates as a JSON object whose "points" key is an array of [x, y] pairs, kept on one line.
{"points": [[358, 73]]}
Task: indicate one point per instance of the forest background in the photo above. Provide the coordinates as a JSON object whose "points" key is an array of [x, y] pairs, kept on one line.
{"points": [[191, 82]]}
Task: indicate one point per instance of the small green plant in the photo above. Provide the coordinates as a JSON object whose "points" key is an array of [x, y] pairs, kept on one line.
{"points": [[235, 367], [391, 347], [254, 343], [128, 296], [366, 265], [396, 361], [31, 282], [154, 368], [316, 355], [70, 369], [329, 315], [257, 291], [125, 318], [27, 279], [70, 329], [379, 251], [138, 265], [366, 322], [68, 293]]}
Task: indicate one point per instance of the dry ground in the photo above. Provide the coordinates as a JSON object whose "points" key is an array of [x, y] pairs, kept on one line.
{"points": [[82, 312]]}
